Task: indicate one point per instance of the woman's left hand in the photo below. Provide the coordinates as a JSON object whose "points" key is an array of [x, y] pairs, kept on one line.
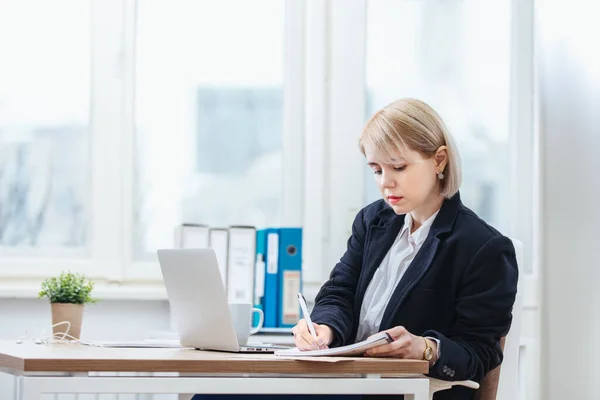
{"points": [[405, 345]]}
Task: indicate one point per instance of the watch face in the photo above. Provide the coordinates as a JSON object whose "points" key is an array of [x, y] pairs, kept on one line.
{"points": [[428, 354]]}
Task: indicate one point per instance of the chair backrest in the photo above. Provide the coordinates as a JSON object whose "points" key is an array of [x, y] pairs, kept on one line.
{"points": [[502, 383]]}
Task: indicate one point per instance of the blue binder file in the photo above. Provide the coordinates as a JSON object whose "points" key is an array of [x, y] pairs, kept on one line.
{"points": [[289, 276], [259, 278], [267, 248]]}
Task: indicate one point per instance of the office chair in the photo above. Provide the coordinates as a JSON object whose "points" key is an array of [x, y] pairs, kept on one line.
{"points": [[501, 383]]}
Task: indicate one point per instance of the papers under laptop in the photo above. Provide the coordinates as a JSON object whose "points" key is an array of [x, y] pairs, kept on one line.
{"points": [[158, 344], [355, 349], [199, 303], [146, 344]]}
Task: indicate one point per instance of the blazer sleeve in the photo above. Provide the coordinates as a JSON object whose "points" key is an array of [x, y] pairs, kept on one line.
{"points": [[334, 304], [483, 314]]}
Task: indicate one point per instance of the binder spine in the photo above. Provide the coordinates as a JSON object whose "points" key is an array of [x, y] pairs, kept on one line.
{"points": [[271, 298], [289, 276]]}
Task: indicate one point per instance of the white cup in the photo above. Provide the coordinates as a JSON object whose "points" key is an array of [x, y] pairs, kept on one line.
{"points": [[241, 314]]}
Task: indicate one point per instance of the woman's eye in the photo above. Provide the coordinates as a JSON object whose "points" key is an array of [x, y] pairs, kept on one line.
{"points": [[400, 168], [375, 172]]}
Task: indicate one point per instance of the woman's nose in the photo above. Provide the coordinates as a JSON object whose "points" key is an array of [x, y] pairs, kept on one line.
{"points": [[387, 180]]}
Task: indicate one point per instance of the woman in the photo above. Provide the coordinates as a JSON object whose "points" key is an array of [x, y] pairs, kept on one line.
{"points": [[419, 264]]}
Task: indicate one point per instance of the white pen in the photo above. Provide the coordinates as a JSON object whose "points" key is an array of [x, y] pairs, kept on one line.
{"points": [[304, 308]]}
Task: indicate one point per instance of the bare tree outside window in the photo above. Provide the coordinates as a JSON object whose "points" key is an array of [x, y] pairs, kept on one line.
{"points": [[44, 118], [42, 189]]}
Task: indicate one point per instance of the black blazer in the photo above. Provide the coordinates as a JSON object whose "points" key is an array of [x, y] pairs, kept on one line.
{"points": [[460, 289]]}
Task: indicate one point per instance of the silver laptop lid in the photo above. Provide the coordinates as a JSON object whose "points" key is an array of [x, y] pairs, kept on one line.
{"points": [[197, 297]]}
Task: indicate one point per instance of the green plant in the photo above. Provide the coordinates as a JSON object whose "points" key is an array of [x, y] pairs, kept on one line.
{"points": [[68, 288]]}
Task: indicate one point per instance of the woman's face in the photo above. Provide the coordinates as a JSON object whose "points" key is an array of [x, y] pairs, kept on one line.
{"points": [[407, 180]]}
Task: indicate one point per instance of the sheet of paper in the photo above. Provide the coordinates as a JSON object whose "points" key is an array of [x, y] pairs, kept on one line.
{"points": [[317, 359], [355, 349]]}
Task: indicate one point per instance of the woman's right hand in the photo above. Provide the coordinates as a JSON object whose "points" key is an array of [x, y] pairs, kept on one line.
{"points": [[305, 341]]}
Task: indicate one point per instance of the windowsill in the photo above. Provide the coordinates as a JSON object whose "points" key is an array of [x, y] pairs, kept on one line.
{"points": [[101, 292], [117, 292]]}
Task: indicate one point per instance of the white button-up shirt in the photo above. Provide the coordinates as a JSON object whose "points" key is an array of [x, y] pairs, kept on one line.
{"points": [[388, 275]]}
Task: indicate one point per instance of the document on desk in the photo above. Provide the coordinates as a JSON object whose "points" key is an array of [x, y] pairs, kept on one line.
{"points": [[349, 350], [146, 344]]}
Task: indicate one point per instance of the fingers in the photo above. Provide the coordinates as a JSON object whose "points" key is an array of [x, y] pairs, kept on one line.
{"points": [[397, 332], [308, 342], [324, 335], [303, 339], [398, 348]]}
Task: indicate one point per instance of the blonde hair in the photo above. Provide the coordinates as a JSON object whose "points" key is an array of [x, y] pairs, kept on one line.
{"points": [[414, 125]]}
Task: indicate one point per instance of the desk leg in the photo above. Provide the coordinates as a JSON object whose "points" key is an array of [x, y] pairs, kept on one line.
{"points": [[420, 392], [28, 390], [184, 396], [420, 395]]}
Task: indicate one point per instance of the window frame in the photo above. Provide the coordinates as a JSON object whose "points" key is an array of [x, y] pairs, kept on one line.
{"points": [[346, 91], [324, 101], [102, 256], [109, 257], [293, 138]]}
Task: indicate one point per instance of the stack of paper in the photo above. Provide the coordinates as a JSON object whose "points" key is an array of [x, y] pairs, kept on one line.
{"points": [[349, 350]]}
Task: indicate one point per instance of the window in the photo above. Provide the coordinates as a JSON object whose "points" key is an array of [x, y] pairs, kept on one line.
{"points": [[455, 55], [209, 117], [195, 116], [44, 126]]}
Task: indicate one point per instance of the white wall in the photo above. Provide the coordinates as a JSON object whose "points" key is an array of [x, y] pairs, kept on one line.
{"points": [[570, 127], [105, 320]]}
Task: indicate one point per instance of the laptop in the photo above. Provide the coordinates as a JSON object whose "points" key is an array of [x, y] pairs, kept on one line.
{"points": [[199, 304]]}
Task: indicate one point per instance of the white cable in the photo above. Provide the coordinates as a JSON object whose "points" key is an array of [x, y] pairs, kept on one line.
{"points": [[40, 335]]}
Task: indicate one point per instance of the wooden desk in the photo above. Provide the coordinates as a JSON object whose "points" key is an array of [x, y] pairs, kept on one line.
{"points": [[70, 368]]}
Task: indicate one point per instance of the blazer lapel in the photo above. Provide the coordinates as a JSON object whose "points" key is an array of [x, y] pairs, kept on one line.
{"points": [[422, 262], [380, 239], [412, 276]]}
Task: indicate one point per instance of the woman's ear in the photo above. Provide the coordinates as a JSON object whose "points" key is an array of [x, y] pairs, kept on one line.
{"points": [[441, 158]]}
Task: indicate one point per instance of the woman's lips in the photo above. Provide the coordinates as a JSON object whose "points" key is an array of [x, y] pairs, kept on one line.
{"points": [[394, 199]]}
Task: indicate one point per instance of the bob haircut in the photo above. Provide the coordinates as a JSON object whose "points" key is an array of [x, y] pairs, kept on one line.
{"points": [[412, 124]]}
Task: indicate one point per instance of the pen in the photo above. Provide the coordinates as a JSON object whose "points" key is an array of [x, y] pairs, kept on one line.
{"points": [[304, 308]]}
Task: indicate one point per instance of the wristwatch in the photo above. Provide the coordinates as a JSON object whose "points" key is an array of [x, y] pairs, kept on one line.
{"points": [[428, 353]]}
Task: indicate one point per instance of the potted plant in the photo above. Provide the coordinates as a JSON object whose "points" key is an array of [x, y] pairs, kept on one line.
{"points": [[67, 294]]}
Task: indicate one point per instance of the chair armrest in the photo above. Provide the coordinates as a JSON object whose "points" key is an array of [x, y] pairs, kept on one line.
{"points": [[436, 385]]}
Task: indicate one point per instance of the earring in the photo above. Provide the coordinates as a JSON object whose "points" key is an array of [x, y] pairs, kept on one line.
{"points": [[440, 175]]}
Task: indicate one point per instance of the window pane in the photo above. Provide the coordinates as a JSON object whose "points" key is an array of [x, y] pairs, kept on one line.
{"points": [[454, 55], [44, 115], [209, 109]]}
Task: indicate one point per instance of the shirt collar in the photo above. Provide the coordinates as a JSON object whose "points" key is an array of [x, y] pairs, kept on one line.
{"points": [[420, 234]]}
